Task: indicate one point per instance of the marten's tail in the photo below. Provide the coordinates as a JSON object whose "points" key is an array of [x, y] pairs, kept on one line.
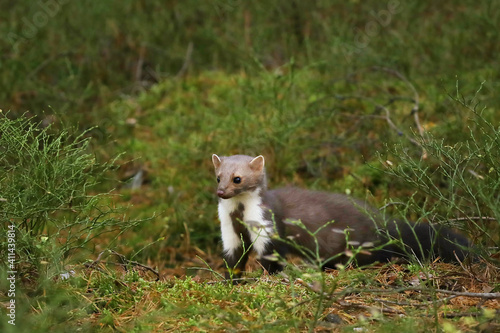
{"points": [[426, 241]]}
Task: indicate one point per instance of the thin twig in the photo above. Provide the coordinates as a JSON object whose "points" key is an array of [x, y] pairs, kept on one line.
{"points": [[425, 304], [467, 314], [386, 309], [473, 276], [233, 280], [469, 294], [140, 63], [135, 263], [125, 262], [399, 290], [416, 100], [386, 117], [187, 60], [390, 204], [487, 218]]}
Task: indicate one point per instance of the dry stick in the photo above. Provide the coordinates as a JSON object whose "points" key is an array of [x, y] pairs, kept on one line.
{"points": [[454, 294], [416, 99], [124, 263], [487, 218], [398, 290], [94, 263], [387, 116], [469, 294], [140, 63], [449, 292], [462, 314], [467, 314], [425, 304], [466, 270], [345, 292], [135, 263], [97, 261], [187, 60], [386, 309]]}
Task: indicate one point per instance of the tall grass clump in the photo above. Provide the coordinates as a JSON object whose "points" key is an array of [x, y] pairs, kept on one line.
{"points": [[46, 181], [458, 184]]}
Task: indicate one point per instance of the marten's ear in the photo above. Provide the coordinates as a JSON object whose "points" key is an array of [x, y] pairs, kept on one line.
{"points": [[216, 161], [257, 164]]}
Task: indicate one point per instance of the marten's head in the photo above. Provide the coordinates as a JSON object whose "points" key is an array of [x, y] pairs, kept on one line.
{"points": [[238, 174]]}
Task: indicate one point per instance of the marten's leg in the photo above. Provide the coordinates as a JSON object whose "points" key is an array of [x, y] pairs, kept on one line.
{"points": [[272, 259]]}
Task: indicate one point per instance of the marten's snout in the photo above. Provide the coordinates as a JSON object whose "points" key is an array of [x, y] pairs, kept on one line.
{"points": [[224, 193]]}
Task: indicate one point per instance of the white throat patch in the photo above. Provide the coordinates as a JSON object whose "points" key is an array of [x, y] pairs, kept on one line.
{"points": [[259, 229]]}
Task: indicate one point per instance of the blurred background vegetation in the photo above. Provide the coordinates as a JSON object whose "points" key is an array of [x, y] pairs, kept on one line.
{"points": [[326, 90]]}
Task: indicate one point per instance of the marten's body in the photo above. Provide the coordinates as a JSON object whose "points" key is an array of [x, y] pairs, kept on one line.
{"points": [[250, 214]]}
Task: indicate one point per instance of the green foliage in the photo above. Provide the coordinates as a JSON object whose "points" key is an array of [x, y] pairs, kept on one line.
{"points": [[45, 183], [459, 183], [41, 172]]}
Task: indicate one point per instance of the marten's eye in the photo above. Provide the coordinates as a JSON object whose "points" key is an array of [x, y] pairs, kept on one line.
{"points": [[236, 180], [218, 179]]}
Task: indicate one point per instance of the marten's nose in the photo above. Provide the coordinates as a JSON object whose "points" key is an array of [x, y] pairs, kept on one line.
{"points": [[220, 193]]}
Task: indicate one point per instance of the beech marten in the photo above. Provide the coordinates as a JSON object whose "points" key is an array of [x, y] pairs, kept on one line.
{"points": [[252, 215]]}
